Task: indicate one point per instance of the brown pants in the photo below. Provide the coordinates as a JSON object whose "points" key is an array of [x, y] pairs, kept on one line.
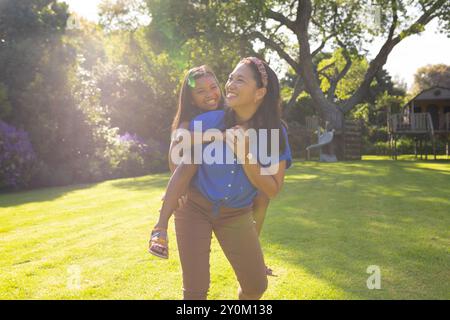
{"points": [[236, 234]]}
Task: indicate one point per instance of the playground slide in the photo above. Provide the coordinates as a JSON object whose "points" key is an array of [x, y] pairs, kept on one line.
{"points": [[324, 139]]}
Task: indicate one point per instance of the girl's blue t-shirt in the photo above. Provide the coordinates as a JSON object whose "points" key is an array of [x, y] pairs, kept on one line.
{"points": [[226, 184]]}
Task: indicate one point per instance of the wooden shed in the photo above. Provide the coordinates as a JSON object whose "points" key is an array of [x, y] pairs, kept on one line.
{"points": [[436, 102], [425, 117]]}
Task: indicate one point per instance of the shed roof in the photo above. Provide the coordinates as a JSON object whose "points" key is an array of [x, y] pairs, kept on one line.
{"points": [[434, 93]]}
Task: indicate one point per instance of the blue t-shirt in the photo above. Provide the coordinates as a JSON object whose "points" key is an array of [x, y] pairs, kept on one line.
{"points": [[227, 184]]}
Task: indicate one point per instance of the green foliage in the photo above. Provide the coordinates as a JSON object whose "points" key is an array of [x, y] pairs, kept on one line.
{"points": [[430, 76], [273, 26], [122, 14], [374, 116], [110, 157], [193, 33], [361, 111], [28, 29], [303, 108], [140, 88], [72, 90], [351, 81], [78, 89]]}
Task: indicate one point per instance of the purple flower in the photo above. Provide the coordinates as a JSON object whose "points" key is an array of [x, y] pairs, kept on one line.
{"points": [[16, 156], [135, 141]]}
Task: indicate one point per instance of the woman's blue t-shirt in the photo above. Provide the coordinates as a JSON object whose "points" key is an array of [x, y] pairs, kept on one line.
{"points": [[227, 184]]}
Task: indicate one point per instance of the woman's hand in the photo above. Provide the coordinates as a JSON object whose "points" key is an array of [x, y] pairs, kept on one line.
{"points": [[268, 180]]}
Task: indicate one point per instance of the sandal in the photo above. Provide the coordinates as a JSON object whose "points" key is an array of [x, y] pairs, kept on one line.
{"points": [[158, 244]]}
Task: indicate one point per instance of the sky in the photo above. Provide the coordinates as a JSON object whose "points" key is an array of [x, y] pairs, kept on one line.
{"points": [[417, 51], [410, 54]]}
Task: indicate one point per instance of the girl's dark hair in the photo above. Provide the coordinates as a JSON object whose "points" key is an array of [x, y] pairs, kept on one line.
{"points": [[268, 115], [186, 109]]}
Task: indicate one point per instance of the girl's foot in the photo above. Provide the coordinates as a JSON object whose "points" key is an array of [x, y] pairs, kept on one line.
{"points": [[158, 244]]}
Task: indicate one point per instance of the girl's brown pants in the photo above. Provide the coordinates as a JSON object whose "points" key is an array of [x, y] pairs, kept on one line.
{"points": [[235, 231]]}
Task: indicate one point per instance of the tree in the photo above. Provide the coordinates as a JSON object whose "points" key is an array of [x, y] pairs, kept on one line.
{"points": [[28, 29], [142, 84], [430, 76], [291, 28], [122, 14], [193, 33], [48, 92]]}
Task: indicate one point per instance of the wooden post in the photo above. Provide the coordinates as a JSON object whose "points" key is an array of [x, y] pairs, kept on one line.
{"points": [[391, 153], [392, 147], [421, 148], [434, 147], [415, 148], [395, 147], [446, 149]]}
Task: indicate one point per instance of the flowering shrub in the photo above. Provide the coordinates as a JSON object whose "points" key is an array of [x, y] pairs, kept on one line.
{"points": [[142, 157], [16, 157], [134, 141]]}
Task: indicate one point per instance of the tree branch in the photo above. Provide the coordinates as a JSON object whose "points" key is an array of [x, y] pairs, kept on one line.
{"points": [[333, 84], [322, 45], [394, 19], [282, 19], [277, 47], [326, 108], [299, 85], [377, 63], [326, 67], [298, 88]]}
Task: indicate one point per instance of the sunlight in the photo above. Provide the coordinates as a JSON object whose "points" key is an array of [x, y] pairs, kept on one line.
{"points": [[86, 8]]}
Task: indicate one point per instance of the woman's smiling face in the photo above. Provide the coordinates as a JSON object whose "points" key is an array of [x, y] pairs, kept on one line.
{"points": [[241, 87], [206, 94]]}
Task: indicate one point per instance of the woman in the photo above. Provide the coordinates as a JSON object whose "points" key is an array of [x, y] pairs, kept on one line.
{"points": [[200, 92], [221, 195]]}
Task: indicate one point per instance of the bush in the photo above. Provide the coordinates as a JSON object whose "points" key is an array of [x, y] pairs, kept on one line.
{"points": [[405, 145], [381, 148], [140, 157], [17, 157]]}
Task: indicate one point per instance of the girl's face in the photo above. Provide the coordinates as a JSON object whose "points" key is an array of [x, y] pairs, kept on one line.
{"points": [[206, 94], [241, 88]]}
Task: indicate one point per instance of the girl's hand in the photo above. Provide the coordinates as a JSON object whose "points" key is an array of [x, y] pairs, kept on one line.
{"points": [[182, 201]]}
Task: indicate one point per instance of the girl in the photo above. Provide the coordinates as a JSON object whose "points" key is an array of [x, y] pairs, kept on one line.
{"points": [[200, 92], [221, 195]]}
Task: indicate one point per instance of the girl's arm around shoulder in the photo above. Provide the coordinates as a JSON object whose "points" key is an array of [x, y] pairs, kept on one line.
{"points": [[173, 142]]}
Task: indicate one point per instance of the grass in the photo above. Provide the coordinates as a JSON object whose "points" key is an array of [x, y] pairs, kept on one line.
{"points": [[331, 221]]}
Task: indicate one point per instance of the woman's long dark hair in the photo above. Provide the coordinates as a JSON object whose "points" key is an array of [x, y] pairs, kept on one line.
{"points": [[268, 115], [186, 109]]}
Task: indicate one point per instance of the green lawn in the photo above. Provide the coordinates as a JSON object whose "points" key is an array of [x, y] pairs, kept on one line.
{"points": [[329, 224]]}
